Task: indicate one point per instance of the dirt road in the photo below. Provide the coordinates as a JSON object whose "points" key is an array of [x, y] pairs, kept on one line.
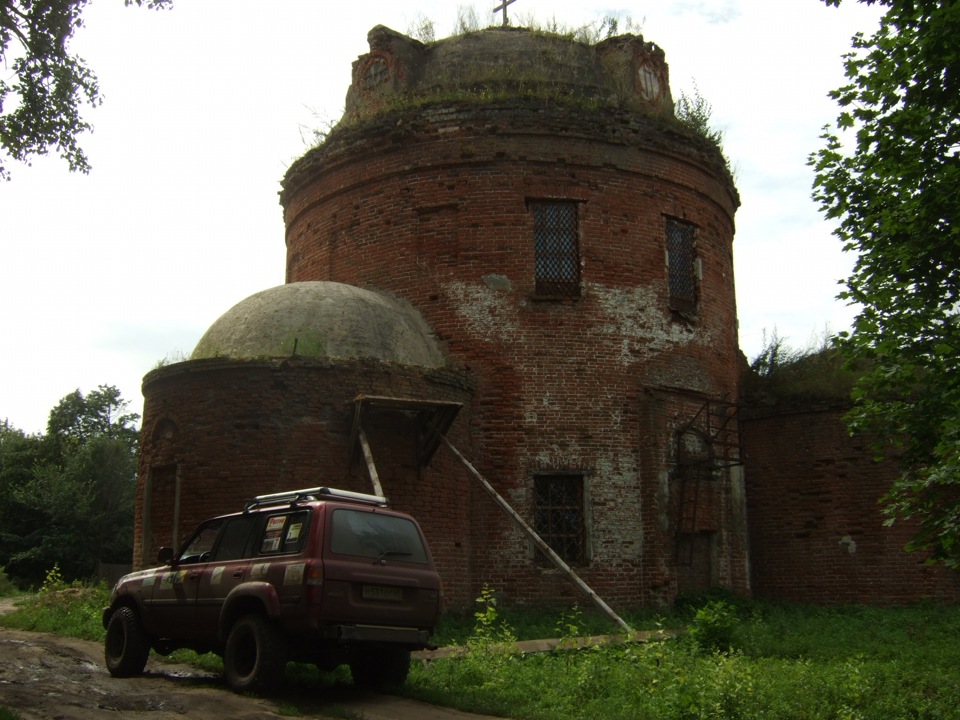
{"points": [[45, 677]]}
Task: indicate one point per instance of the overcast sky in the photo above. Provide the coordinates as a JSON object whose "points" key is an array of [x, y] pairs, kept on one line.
{"points": [[103, 276]]}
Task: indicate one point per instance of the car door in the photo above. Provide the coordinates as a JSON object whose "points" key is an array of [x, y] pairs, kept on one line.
{"points": [[172, 605], [277, 554], [228, 567]]}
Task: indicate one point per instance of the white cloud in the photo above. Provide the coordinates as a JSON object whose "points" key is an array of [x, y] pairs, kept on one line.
{"points": [[710, 11]]}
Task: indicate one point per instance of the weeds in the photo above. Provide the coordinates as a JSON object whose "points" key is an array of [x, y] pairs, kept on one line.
{"points": [[7, 588], [814, 372], [713, 627], [744, 660], [491, 632], [71, 609]]}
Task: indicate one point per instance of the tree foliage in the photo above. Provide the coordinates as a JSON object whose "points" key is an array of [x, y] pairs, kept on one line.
{"points": [[894, 190], [42, 98], [67, 496]]}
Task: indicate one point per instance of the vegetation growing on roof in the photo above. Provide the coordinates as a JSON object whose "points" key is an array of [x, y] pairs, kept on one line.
{"points": [[783, 373], [533, 79], [468, 21], [696, 113]]}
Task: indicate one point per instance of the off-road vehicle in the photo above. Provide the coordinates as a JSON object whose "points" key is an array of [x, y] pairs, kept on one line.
{"points": [[318, 575]]}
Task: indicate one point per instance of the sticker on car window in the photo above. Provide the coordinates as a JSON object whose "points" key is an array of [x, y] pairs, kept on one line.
{"points": [[271, 543], [275, 523], [293, 532]]}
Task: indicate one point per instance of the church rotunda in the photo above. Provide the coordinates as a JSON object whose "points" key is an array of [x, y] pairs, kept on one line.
{"points": [[528, 250]]}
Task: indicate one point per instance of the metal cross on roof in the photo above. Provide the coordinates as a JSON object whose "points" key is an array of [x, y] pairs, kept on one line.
{"points": [[503, 6]]}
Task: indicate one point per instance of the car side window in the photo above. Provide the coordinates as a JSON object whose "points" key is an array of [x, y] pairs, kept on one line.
{"points": [[197, 548], [284, 533], [236, 535]]}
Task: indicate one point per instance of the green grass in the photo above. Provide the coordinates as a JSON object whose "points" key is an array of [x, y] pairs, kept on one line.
{"points": [[71, 611], [8, 714], [784, 662]]}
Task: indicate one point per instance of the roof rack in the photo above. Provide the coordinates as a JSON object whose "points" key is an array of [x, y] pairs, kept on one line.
{"points": [[292, 497]]}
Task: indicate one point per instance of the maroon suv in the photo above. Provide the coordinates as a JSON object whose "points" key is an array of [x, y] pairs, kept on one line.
{"points": [[318, 575]]}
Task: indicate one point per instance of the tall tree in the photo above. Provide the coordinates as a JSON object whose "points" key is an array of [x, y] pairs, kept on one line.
{"points": [[79, 418], [67, 497], [895, 192], [19, 455], [40, 105]]}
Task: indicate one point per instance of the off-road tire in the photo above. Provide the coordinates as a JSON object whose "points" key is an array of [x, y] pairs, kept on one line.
{"points": [[127, 646], [255, 656], [376, 668]]}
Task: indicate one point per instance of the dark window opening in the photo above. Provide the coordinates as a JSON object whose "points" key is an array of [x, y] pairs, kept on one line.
{"points": [[557, 248], [559, 516], [682, 266]]}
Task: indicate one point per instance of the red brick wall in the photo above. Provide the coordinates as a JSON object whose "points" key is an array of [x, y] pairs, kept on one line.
{"points": [[232, 429], [432, 206], [816, 531]]}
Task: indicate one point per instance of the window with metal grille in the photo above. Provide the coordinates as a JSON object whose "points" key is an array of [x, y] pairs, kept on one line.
{"points": [[557, 248], [682, 265], [559, 516]]}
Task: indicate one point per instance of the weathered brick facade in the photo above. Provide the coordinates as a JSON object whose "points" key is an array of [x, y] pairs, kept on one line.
{"points": [[816, 529], [433, 203]]}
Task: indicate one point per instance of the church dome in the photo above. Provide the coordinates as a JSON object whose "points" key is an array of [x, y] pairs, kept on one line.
{"points": [[324, 320]]}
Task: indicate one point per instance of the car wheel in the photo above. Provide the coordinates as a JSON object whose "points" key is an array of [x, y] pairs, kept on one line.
{"points": [[255, 656], [126, 647], [377, 668]]}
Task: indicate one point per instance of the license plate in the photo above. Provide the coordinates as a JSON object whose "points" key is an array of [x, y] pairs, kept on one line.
{"points": [[382, 592]]}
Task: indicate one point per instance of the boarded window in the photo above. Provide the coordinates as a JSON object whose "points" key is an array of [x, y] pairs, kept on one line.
{"points": [[559, 516], [557, 248], [682, 265]]}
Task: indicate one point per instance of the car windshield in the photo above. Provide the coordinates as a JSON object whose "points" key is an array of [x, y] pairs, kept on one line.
{"points": [[200, 545], [374, 535]]}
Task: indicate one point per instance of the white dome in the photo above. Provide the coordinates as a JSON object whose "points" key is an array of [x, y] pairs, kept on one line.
{"points": [[322, 319]]}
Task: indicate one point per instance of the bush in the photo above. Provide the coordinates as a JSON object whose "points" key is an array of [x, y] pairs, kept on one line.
{"points": [[713, 627], [7, 588]]}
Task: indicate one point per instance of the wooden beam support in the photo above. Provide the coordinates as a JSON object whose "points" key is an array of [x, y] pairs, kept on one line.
{"points": [[368, 456], [538, 541]]}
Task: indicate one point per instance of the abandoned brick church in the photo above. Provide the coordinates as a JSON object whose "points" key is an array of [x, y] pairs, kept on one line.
{"points": [[510, 242]]}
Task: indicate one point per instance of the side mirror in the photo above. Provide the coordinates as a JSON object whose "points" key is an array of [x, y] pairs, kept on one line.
{"points": [[165, 556]]}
